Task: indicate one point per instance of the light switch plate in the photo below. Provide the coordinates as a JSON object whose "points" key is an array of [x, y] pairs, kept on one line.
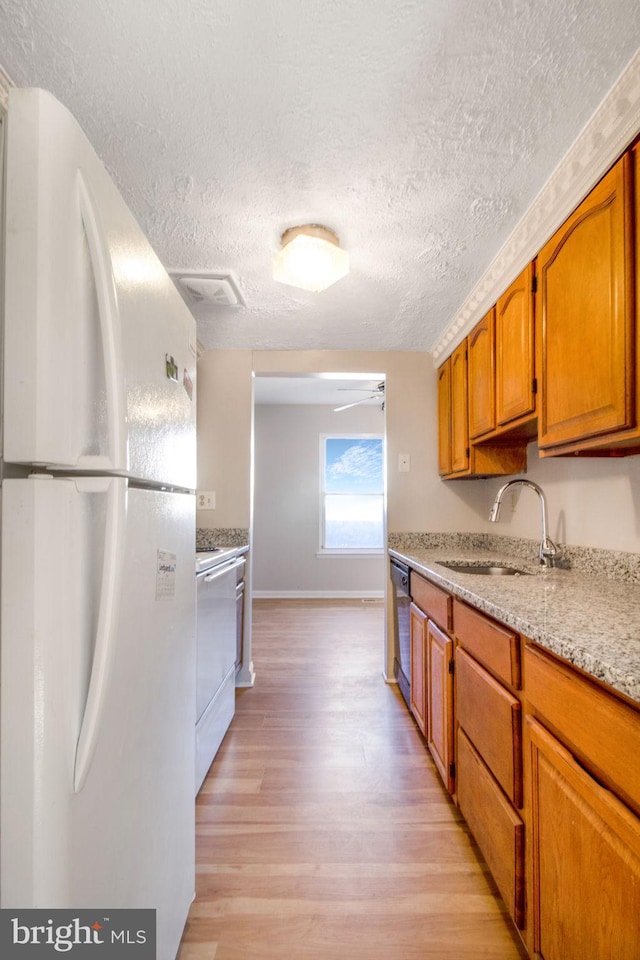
{"points": [[404, 462], [206, 500]]}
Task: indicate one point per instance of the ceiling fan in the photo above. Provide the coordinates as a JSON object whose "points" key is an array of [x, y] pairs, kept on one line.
{"points": [[374, 393]]}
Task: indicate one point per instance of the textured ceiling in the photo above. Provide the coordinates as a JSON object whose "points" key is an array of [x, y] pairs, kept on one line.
{"points": [[419, 131]]}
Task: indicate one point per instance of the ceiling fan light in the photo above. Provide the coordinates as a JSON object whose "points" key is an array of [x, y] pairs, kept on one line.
{"points": [[311, 258]]}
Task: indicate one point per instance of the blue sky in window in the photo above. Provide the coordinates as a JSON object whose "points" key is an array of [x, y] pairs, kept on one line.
{"points": [[353, 466]]}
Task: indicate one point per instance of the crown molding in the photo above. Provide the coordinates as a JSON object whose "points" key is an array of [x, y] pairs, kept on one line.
{"points": [[605, 137], [5, 85]]}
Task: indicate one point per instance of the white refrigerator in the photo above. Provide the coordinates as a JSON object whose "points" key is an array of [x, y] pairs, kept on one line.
{"points": [[97, 590]]}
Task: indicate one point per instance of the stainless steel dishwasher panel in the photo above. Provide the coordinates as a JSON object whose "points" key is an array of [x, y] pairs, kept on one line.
{"points": [[402, 624]]}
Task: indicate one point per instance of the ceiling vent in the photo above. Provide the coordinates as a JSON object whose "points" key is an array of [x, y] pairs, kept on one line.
{"points": [[208, 289]]}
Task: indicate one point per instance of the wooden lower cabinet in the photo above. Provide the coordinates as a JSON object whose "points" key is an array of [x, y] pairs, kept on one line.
{"points": [[496, 826], [584, 846], [491, 717], [418, 628], [545, 771], [439, 659]]}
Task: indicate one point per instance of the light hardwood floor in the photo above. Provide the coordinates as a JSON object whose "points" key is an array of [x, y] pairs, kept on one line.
{"points": [[323, 831]]}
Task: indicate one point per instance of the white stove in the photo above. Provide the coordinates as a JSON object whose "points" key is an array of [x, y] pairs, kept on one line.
{"points": [[216, 635]]}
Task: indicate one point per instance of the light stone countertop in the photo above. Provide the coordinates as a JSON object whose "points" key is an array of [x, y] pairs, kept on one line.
{"points": [[591, 622]]}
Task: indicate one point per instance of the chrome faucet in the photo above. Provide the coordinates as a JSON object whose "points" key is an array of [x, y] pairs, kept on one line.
{"points": [[549, 552]]}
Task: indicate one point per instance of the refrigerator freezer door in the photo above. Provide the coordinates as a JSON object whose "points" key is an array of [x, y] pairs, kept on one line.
{"points": [[98, 695], [100, 349]]}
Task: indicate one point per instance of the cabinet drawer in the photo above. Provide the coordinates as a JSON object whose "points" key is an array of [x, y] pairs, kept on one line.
{"points": [[603, 731], [490, 716], [431, 599], [494, 823], [497, 647]]}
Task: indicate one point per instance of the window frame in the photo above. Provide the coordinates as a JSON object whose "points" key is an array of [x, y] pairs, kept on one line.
{"points": [[349, 551]]}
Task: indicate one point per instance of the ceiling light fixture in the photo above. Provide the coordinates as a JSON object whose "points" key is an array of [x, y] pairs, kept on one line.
{"points": [[311, 258]]}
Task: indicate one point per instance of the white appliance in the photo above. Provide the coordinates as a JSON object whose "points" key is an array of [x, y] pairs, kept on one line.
{"points": [[216, 643], [97, 600]]}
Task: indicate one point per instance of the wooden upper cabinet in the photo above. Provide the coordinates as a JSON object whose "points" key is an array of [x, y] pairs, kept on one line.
{"points": [[481, 361], [459, 411], [444, 417], [585, 291], [515, 350]]}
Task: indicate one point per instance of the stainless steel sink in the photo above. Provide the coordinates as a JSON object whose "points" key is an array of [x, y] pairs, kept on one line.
{"points": [[485, 570]]}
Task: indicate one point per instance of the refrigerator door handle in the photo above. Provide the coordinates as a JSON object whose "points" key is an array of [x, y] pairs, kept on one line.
{"points": [[110, 330], [108, 616]]}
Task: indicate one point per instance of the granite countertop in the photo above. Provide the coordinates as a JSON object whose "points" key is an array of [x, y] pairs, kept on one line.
{"points": [[591, 622]]}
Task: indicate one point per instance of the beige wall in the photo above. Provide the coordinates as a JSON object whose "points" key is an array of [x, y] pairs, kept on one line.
{"points": [[225, 410], [592, 502]]}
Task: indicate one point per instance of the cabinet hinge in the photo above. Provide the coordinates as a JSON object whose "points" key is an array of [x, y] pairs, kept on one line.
{"points": [[534, 285], [467, 453], [534, 385], [451, 666], [452, 771]]}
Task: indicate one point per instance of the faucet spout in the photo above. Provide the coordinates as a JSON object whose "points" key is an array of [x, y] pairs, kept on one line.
{"points": [[548, 552]]}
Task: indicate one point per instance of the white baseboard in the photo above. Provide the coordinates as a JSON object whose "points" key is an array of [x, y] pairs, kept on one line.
{"points": [[318, 594]]}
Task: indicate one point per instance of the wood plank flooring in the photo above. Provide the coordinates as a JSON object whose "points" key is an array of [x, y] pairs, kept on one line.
{"points": [[323, 831]]}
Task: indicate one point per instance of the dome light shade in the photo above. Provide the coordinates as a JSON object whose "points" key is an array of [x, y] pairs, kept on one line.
{"points": [[311, 258]]}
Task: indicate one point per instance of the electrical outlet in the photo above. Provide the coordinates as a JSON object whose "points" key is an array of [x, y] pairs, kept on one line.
{"points": [[206, 500], [404, 462]]}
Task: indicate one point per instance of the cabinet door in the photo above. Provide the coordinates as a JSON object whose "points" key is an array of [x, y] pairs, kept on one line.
{"points": [[586, 302], [585, 860], [515, 350], [439, 657], [418, 621], [481, 360], [444, 417], [495, 825], [459, 411]]}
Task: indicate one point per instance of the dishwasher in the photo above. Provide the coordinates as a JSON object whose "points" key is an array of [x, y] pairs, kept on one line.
{"points": [[216, 579], [402, 627]]}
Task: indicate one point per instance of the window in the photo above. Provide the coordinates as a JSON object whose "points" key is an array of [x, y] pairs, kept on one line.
{"points": [[352, 494]]}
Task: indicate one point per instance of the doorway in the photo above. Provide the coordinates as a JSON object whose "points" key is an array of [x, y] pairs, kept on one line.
{"points": [[291, 417]]}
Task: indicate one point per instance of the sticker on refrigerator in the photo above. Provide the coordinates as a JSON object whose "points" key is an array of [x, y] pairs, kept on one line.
{"points": [[166, 575], [187, 383], [171, 367]]}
